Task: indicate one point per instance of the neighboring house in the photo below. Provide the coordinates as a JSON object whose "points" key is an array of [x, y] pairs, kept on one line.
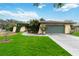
{"points": [[57, 26], [76, 27]]}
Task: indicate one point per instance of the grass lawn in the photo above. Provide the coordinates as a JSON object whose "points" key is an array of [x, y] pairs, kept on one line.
{"points": [[31, 46], [75, 33]]}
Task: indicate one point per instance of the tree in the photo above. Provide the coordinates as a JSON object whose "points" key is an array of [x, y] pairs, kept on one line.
{"points": [[36, 4], [56, 5], [7, 25], [41, 19], [10, 23], [34, 26]]}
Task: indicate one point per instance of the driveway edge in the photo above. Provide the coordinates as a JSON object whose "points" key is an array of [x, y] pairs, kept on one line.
{"points": [[62, 45]]}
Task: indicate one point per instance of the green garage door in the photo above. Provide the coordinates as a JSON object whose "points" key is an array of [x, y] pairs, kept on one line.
{"points": [[55, 29]]}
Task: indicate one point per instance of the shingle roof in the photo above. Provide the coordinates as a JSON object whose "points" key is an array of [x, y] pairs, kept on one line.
{"points": [[57, 22], [76, 24]]}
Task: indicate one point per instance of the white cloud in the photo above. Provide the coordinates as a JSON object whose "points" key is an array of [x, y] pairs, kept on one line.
{"points": [[19, 14], [41, 5], [55, 19], [67, 7]]}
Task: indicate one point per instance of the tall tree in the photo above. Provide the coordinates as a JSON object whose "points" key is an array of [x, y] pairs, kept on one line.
{"points": [[36, 4], [56, 5], [42, 19], [34, 25]]}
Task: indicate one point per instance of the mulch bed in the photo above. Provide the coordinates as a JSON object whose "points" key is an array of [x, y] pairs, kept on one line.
{"points": [[8, 34], [5, 41]]}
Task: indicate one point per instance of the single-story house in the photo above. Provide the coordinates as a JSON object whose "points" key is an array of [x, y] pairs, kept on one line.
{"points": [[57, 26]]}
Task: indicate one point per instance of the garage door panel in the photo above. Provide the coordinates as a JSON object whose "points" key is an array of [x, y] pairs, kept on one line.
{"points": [[55, 29]]}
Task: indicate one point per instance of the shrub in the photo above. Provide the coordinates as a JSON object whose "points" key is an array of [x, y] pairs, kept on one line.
{"points": [[34, 26]]}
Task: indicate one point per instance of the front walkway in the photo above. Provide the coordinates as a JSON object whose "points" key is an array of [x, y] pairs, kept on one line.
{"points": [[68, 42]]}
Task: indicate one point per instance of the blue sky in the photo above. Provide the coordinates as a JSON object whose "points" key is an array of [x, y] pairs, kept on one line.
{"points": [[26, 11]]}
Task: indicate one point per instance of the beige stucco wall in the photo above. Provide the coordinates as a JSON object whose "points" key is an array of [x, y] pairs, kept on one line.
{"points": [[40, 31], [67, 28], [14, 29], [22, 29]]}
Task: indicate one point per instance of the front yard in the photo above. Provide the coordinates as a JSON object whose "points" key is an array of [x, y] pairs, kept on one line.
{"points": [[31, 46], [75, 33]]}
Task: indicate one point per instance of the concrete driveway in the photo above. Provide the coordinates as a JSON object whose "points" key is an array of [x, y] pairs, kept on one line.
{"points": [[68, 42]]}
